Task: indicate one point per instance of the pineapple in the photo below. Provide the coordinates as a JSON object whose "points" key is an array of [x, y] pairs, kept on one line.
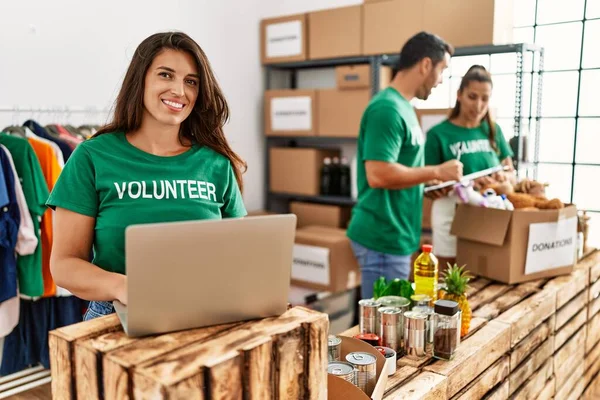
{"points": [[456, 280]]}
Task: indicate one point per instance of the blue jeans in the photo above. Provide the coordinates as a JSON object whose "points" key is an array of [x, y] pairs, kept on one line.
{"points": [[98, 309], [374, 264]]}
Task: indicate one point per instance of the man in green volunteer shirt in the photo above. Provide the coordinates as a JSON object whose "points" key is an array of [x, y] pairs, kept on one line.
{"points": [[386, 221]]}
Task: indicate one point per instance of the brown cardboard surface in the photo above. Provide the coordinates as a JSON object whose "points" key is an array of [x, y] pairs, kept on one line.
{"points": [[272, 94], [359, 77], [340, 111], [344, 270], [468, 22], [389, 24], [482, 249], [320, 214], [337, 388], [297, 170], [335, 32], [263, 37]]}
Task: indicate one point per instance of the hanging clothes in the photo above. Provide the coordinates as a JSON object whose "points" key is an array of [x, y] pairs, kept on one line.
{"points": [[57, 153], [10, 219], [41, 132], [28, 169]]}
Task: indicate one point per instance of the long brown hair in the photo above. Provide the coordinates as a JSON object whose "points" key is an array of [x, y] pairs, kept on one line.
{"points": [[204, 125], [477, 73]]}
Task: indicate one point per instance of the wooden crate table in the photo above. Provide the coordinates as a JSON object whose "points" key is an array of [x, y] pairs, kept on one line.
{"points": [[535, 340], [281, 358]]}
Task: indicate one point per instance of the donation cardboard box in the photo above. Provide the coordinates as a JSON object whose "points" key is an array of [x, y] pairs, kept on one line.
{"points": [[320, 214], [297, 170], [338, 388], [469, 22], [516, 246], [323, 260], [290, 112], [335, 33], [284, 39], [340, 111], [359, 77], [389, 24]]}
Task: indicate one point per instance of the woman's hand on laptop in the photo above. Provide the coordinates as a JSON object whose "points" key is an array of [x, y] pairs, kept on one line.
{"points": [[121, 289]]}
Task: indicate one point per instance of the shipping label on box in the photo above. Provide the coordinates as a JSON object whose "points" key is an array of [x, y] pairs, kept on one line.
{"points": [[311, 264], [551, 245], [291, 113], [284, 39]]}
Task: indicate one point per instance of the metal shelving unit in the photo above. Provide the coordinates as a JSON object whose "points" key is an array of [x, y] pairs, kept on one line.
{"points": [[376, 62]]}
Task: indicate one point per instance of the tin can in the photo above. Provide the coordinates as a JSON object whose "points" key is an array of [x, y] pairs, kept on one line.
{"points": [[389, 354], [366, 373], [415, 334], [395, 301], [390, 327], [369, 338], [343, 370], [368, 322], [334, 346]]}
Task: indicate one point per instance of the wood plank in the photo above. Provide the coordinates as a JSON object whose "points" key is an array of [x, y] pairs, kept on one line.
{"points": [[499, 393], [547, 393], [562, 371], [476, 324], [577, 391], [593, 333], [592, 356], [531, 365], [594, 290], [225, 378], [568, 349], [316, 357], [425, 386], [568, 286], [571, 309], [592, 392], [474, 356], [591, 369], [592, 264], [488, 294], [477, 285], [418, 364], [289, 365], [536, 386], [402, 375], [529, 344], [563, 392], [509, 299], [494, 375], [61, 344], [259, 369], [529, 314], [593, 307], [574, 325]]}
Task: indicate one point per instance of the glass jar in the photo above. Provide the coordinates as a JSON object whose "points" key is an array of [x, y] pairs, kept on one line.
{"points": [[446, 327]]}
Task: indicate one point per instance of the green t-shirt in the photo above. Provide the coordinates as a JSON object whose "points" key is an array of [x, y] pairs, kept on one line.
{"points": [[120, 185], [27, 166], [388, 221], [444, 140]]}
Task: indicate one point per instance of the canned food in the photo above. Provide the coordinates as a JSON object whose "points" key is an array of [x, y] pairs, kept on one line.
{"points": [[334, 345], [368, 321], [390, 328], [389, 354], [369, 338], [366, 373], [394, 301], [415, 334], [343, 370]]}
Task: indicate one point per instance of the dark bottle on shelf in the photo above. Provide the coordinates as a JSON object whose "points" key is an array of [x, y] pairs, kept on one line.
{"points": [[326, 176], [335, 177], [345, 178]]}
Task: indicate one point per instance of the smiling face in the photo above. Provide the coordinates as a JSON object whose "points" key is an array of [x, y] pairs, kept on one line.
{"points": [[171, 87]]}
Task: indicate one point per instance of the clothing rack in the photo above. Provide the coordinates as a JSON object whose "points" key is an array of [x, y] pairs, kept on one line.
{"points": [[54, 109]]}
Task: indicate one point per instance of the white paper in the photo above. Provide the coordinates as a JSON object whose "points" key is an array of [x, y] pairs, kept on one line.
{"points": [[284, 39], [551, 245], [311, 264], [291, 113]]}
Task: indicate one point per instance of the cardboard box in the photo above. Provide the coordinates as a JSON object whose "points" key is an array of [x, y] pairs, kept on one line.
{"points": [[428, 118], [338, 388], [335, 33], [320, 214], [323, 260], [516, 246], [469, 22], [359, 77], [389, 24], [297, 170], [290, 112], [340, 111], [258, 213], [284, 39]]}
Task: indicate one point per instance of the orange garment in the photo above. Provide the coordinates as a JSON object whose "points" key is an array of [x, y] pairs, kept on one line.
{"points": [[51, 170]]}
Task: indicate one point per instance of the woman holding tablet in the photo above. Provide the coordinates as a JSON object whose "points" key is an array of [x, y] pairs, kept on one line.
{"points": [[471, 136]]}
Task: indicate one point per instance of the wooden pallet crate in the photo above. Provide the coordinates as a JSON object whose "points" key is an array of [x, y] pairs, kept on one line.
{"points": [[280, 356], [540, 385], [530, 365]]}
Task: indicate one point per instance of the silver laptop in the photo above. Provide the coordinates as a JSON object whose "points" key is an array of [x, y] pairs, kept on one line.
{"points": [[184, 275]]}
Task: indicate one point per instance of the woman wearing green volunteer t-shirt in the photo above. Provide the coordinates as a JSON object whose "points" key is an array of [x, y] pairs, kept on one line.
{"points": [[164, 157], [470, 134]]}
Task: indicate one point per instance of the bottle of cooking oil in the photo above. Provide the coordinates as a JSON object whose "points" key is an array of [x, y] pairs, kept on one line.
{"points": [[426, 273]]}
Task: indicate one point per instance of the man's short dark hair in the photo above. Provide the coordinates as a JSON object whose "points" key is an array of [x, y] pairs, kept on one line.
{"points": [[420, 46]]}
